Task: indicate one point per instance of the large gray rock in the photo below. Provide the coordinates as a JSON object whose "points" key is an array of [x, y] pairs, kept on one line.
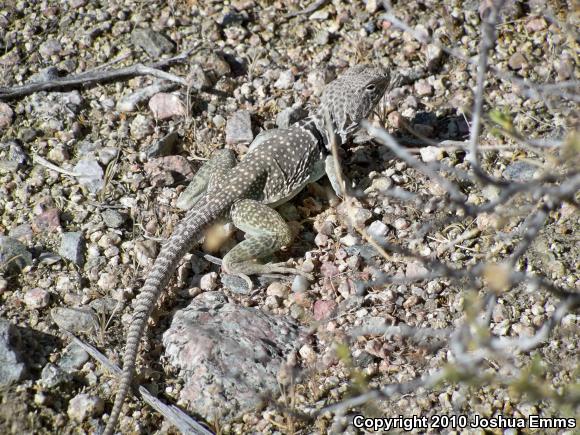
{"points": [[229, 355]]}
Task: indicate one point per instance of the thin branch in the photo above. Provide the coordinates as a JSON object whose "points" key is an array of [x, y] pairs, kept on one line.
{"points": [[94, 77]]}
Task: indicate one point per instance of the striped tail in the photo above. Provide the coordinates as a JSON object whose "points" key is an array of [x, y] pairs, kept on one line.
{"points": [[204, 212]]}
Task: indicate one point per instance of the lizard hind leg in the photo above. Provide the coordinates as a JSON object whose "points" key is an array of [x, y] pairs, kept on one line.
{"points": [[266, 233], [206, 178]]}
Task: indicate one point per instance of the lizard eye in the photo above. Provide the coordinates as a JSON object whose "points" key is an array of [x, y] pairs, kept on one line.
{"points": [[371, 88]]}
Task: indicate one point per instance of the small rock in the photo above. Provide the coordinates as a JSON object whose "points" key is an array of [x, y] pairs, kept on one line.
{"points": [[36, 298], [198, 79], [165, 106], [53, 376], [164, 146], [431, 154], [423, 88], [415, 269], [75, 320], [517, 61], [90, 174], [324, 309], [285, 81], [289, 116], [154, 43], [277, 289], [401, 224], [321, 240], [13, 255], [112, 218], [536, 25], [166, 170], [73, 358], [141, 127], [239, 128], [520, 171], [84, 406], [72, 246], [47, 221], [6, 115], [434, 56], [377, 230], [300, 284], [11, 367], [349, 240], [208, 282], [49, 48]]}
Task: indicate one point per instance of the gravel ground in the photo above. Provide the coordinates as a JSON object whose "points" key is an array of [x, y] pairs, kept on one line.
{"points": [[84, 234]]}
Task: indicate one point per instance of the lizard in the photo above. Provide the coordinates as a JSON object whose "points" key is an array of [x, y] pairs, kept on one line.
{"points": [[272, 172]]}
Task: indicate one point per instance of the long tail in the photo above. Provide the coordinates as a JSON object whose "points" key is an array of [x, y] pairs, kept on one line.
{"points": [[204, 212]]}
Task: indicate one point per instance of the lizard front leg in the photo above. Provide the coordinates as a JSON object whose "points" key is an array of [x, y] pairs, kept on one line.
{"points": [[266, 232], [208, 176]]}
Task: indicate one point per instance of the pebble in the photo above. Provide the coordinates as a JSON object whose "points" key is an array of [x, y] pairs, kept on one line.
{"points": [[49, 48], [434, 56], [423, 88], [47, 221], [84, 406], [6, 114], [209, 281], [52, 376], [164, 146], [517, 61], [431, 154], [520, 171], [165, 106], [401, 224], [90, 174], [72, 246], [13, 255], [300, 284], [11, 367], [239, 128], [377, 230], [112, 218], [36, 298], [278, 289], [73, 358], [154, 43], [285, 81], [141, 127], [75, 320]]}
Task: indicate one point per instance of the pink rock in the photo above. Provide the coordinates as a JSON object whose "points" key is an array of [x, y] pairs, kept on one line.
{"points": [[36, 298], [158, 169], [536, 24], [423, 88], [47, 221], [164, 106], [323, 309]]}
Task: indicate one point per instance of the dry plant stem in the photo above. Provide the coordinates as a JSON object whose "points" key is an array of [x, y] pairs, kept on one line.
{"points": [[173, 414], [487, 43], [96, 76]]}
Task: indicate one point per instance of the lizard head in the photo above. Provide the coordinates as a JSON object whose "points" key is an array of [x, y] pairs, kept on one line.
{"points": [[352, 96]]}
